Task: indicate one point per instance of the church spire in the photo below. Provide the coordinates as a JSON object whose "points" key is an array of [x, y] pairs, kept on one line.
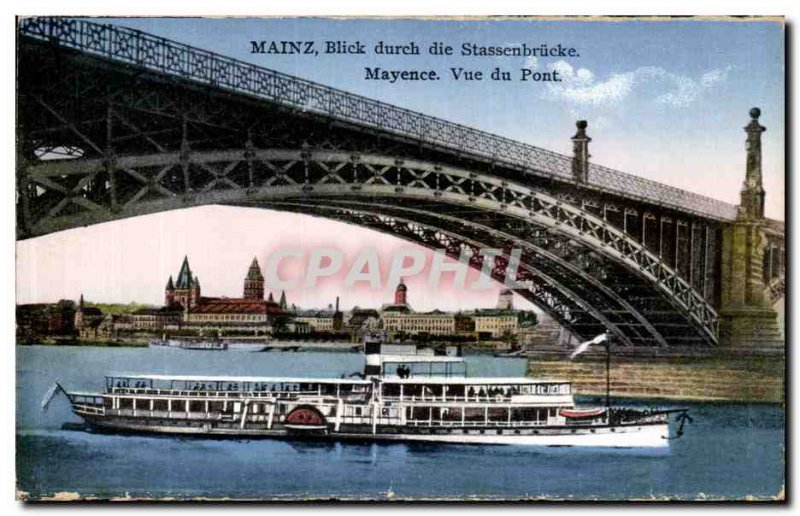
{"points": [[282, 303], [254, 272], [254, 282], [185, 275]]}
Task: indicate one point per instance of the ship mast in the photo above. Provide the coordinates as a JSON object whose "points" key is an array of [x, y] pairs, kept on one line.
{"points": [[607, 344]]}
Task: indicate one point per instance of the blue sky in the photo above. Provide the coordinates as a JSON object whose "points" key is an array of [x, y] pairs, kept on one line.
{"points": [[664, 100]]}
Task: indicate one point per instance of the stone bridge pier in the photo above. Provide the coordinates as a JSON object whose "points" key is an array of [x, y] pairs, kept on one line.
{"points": [[747, 318]]}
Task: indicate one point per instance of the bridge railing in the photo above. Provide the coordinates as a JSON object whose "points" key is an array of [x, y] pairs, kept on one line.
{"points": [[172, 58]]}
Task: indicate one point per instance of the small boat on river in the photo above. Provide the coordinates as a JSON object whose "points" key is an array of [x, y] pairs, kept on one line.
{"points": [[208, 345], [413, 396]]}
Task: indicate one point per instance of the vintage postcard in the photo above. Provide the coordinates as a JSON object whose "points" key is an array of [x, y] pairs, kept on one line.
{"points": [[400, 259]]}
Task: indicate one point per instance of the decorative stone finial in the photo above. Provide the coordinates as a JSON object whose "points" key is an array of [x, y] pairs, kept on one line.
{"points": [[581, 125], [580, 152], [751, 205]]}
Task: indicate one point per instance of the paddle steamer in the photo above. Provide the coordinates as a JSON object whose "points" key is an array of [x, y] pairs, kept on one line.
{"points": [[399, 397]]}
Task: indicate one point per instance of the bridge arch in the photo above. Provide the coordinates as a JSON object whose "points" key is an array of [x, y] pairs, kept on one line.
{"points": [[67, 193], [538, 260], [543, 290]]}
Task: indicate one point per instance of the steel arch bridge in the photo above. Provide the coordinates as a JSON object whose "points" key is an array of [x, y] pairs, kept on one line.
{"points": [[139, 124]]}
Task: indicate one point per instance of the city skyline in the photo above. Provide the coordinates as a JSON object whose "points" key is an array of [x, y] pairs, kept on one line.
{"points": [[222, 275]]}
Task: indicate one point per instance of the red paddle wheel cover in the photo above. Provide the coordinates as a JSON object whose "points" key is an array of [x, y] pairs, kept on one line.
{"points": [[305, 416]]}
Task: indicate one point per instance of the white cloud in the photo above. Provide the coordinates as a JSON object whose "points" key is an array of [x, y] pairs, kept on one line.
{"points": [[686, 89], [580, 87], [532, 62]]}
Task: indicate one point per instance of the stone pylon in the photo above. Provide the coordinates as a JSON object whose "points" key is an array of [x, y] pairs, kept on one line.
{"points": [[580, 153], [746, 319]]}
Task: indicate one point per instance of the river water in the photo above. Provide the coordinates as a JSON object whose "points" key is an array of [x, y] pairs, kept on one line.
{"points": [[731, 451]]}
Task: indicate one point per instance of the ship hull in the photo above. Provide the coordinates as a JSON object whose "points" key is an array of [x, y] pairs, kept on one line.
{"points": [[620, 436]]}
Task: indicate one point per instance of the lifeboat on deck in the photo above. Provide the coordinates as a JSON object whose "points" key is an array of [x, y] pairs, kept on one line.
{"points": [[581, 413]]}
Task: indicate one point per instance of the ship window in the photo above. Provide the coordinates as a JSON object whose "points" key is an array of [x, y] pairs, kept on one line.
{"points": [[413, 390], [215, 406], [160, 405], [473, 414], [420, 413], [328, 388], [196, 406], [358, 411], [498, 414], [456, 390], [391, 389], [179, 406], [525, 414], [125, 403]]}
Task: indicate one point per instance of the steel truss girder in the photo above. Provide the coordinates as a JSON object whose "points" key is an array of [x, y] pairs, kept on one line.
{"points": [[290, 173], [150, 110], [172, 60], [608, 302]]}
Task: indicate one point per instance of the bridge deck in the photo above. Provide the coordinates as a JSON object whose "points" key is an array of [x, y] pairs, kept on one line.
{"points": [[176, 59]]}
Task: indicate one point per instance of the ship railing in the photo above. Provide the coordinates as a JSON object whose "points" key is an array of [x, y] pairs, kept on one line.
{"points": [[655, 418], [469, 399], [472, 424], [163, 414], [210, 393], [89, 409], [451, 399]]}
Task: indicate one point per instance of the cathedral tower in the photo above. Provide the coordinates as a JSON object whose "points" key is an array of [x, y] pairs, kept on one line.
{"points": [[169, 293], [186, 289], [400, 293], [254, 282]]}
